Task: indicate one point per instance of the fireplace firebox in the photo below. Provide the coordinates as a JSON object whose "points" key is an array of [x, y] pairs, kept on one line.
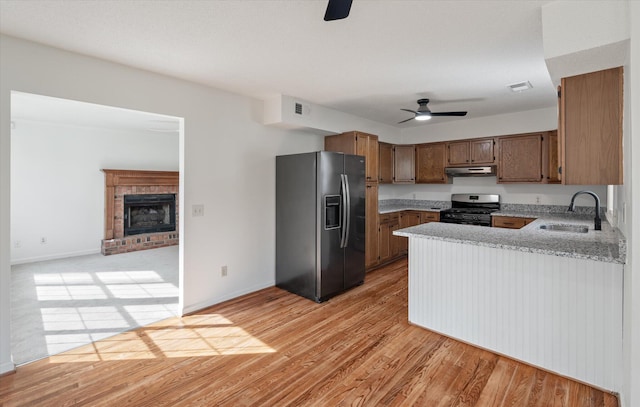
{"points": [[149, 213]]}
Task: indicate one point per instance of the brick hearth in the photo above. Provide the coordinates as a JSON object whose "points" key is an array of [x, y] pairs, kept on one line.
{"points": [[119, 183]]}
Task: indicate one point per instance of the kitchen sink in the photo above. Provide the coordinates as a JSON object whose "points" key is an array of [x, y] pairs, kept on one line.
{"points": [[566, 228]]}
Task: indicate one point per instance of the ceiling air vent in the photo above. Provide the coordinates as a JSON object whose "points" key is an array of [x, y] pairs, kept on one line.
{"points": [[520, 86], [299, 108]]}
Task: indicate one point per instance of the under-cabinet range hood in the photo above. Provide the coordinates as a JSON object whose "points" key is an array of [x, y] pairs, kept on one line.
{"points": [[482, 171]]}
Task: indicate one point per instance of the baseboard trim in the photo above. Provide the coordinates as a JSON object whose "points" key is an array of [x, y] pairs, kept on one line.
{"points": [[7, 369], [189, 309], [54, 256]]}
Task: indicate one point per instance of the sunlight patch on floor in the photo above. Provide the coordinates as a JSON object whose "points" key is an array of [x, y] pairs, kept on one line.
{"points": [[190, 336]]}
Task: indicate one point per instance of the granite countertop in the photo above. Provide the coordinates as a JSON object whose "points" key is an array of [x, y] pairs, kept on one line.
{"points": [[607, 245], [398, 205]]}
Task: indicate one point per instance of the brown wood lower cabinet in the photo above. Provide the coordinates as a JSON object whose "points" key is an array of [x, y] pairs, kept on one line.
{"points": [[388, 244], [408, 219], [510, 222], [426, 217], [391, 247], [371, 225]]}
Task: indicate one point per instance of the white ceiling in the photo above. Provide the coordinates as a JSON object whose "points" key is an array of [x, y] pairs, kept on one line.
{"points": [[46, 109], [383, 57]]}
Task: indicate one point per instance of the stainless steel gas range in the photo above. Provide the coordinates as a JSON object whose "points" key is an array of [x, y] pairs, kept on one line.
{"points": [[471, 209]]}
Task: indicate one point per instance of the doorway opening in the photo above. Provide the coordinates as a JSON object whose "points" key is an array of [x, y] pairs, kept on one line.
{"points": [[64, 292]]}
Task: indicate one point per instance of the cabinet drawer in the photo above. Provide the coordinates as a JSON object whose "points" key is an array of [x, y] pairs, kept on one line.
{"points": [[388, 217], [510, 222], [426, 217]]}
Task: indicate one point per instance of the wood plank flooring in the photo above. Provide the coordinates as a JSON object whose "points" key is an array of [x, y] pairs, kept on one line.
{"points": [[272, 348]]}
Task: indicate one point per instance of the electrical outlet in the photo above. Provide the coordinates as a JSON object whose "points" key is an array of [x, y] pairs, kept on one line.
{"points": [[224, 271], [43, 240], [17, 244], [538, 200], [197, 210]]}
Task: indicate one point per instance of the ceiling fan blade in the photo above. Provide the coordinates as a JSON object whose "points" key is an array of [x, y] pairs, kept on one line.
{"points": [[449, 114], [337, 10], [410, 111], [406, 120]]}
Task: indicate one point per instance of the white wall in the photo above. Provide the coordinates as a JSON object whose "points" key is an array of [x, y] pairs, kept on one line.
{"points": [[57, 188], [500, 125], [227, 164], [515, 194], [631, 221]]}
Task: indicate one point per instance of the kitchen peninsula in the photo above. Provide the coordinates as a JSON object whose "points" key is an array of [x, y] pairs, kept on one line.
{"points": [[552, 299]]}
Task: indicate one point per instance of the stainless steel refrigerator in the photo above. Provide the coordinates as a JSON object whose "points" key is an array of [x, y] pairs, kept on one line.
{"points": [[320, 220]]}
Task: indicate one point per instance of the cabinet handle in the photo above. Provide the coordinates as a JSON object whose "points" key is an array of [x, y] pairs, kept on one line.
{"points": [[508, 223]]}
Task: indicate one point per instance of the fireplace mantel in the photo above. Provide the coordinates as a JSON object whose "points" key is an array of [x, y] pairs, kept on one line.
{"points": [[114, 178], [120, 182]]}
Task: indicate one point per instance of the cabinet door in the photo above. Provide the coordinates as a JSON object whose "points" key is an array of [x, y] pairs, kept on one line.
{"points": [[371, 225], [551, 149], [481, 151], [355, 142], [396, 241], [591, 128], [520, 159], [430, 163], [404, 164], [367, 145], [385, 163], [408, 219], [458, 153], [384, 241]]}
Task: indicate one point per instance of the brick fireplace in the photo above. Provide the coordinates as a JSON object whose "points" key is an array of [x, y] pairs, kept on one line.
{"points": [[141, 210]]}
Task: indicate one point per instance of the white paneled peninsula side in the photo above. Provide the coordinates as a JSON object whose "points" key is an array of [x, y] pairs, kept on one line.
{"points": [[551, 299]]}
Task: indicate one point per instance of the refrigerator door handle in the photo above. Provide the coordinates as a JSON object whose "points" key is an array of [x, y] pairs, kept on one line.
{"points": [[347, 210], [343, 215]]}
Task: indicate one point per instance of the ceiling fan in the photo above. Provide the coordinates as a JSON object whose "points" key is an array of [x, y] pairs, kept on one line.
{"points": [[424, 113]]}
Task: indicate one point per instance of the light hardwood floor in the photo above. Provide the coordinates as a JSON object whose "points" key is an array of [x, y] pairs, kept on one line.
{"points": [[272, 348]]}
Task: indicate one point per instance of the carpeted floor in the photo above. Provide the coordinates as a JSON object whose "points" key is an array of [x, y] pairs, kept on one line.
{"points": [[61, 304]]}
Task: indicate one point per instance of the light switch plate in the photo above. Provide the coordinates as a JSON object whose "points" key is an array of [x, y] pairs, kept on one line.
{"points": [[197, 210]]}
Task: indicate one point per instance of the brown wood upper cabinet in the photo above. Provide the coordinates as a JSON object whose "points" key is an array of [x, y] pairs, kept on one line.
{"points": [[385, 163], [356, 142], [590, 128], [550, 159], [430, 163], [470, 152], [404, 164], [520, 158]]}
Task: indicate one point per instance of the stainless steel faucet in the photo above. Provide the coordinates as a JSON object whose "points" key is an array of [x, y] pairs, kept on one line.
{"points": [[598, 222]]}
